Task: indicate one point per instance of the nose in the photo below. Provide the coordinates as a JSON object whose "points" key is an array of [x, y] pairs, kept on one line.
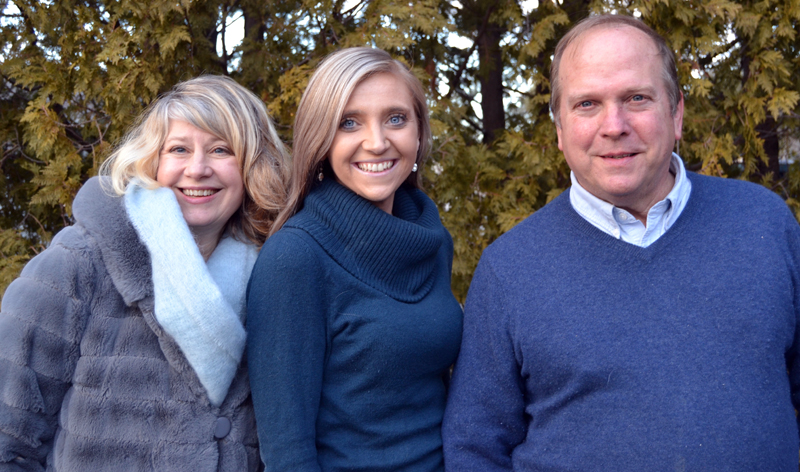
{"points": [[375, 141], [614, 122], [197, 166]]}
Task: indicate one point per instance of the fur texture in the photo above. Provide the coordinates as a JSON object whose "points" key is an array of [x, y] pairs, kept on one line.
{"points": [[89, 380], [204, 322]]}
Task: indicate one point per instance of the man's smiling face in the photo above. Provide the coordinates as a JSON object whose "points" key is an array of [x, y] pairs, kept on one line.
{"points": [[617, 130]]}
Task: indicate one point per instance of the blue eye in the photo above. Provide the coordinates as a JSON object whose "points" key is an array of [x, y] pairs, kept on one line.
{"points": [[585, 103], [347, 123], [397, 119], [637, 98]]}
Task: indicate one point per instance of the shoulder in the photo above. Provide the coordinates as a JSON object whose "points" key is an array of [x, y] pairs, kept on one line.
{"points": [[535, 232], [290, 271], [125, 257], [96, 200], [65, 267], [742, 200], [55, 289], [289, 251], [102, 214], [732, 190], [74, 247]]}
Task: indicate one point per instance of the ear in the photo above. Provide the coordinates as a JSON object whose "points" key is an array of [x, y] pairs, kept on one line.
{"points": [[558, 134], [677, 119]]}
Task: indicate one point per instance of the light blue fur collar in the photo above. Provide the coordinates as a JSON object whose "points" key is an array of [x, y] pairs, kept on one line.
{"points": [[201, 305]]}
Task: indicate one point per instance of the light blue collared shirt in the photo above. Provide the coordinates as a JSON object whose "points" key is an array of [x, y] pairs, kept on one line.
{"points": [[623, 225]]}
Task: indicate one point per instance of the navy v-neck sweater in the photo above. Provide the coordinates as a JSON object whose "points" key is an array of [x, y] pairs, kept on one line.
{"points": [[582, 352], [352, 328]]}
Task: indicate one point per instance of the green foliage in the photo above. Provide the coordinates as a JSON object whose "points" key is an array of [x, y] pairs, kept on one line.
{"points": [[75, 73]]}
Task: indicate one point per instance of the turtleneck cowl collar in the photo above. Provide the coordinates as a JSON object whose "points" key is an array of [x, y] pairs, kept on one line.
{"points": [[395, 254]]}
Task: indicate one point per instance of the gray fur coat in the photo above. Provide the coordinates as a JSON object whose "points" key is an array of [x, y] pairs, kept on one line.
{"points": [[89, 381]]}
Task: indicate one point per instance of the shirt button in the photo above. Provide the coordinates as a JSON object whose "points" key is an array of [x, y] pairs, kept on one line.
{"points": [[623, 217], [222, 427]]}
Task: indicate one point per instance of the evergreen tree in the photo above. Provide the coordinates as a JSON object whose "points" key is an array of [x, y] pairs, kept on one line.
{"points": [[76, 73]]}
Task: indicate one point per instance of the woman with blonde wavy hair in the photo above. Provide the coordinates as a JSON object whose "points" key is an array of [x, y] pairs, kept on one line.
{"points": [[352, 323], [123, 341]]}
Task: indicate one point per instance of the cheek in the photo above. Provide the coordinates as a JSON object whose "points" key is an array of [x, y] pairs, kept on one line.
{"points": [[241, 191], [413, 151], [411, 144], [578, 137], [232, 178], [337, 154], [656, 129], [165, 172]]}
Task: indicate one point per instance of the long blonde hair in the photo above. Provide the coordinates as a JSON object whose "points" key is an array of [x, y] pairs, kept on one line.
{"points": [[321, 109], [219, 106]]}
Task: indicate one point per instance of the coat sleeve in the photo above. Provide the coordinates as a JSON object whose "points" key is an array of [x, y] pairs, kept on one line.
{"points": [[485, 416], [286, 329], [43, 315]]}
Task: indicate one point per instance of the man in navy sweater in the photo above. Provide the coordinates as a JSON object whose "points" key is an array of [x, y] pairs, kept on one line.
{"points": [[647, 318]]}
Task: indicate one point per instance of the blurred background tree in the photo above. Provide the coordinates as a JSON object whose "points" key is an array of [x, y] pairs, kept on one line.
{"points": [[75, 73]]}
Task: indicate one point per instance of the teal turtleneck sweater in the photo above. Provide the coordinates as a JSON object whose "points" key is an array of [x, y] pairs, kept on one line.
{"points": [[352, 328]]}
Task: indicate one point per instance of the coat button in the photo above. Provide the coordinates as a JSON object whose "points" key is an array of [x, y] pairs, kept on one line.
{"points": [[222, 427]]}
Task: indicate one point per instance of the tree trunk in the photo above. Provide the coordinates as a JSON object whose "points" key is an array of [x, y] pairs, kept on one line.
{"points": [[491, 79], [768, 131]]}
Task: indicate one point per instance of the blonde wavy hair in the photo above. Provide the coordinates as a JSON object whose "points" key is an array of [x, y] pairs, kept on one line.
{"points": [[219, 106], [321, 109]]}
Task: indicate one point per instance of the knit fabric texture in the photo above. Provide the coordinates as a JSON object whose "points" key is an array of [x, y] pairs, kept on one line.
{"points": [[585, 353], [352, 328]]}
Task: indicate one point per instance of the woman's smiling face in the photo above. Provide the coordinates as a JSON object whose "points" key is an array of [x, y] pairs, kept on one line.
{"points": [[205, 176], [376, 145]]}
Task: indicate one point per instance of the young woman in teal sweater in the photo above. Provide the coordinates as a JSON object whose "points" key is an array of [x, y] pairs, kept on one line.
{"points": [[352, 326]]}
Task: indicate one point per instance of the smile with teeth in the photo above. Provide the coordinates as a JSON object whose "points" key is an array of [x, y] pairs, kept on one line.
{"points": [[619, 156], [375, 166], [198, 193]]}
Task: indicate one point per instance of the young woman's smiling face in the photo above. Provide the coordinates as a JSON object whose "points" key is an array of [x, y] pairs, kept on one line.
{"points": [[376, 145], [204, 175]]}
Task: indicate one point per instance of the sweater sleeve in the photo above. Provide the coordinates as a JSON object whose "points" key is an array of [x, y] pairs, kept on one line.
{"points": [[485, 418], [793, 354], [43, 315], [286, 347]]}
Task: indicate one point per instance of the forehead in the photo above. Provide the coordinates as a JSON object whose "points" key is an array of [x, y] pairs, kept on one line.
{"points": [[608, 59], [382, 89], [609, 43]]}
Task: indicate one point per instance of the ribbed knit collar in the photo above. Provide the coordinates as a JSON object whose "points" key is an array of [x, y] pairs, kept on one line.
{"points": [[395, 254]]}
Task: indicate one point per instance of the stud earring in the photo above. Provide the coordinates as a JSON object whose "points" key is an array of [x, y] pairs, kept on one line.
{"points": [[321, 174], [414, 169]]}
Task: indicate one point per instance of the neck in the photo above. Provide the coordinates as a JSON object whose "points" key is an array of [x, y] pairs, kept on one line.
{"points": [[640, 209], [206, 243]]}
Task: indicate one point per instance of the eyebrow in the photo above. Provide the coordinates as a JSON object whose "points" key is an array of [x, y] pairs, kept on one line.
{"points": [[387, 111], [185, 139], [630, 91]]}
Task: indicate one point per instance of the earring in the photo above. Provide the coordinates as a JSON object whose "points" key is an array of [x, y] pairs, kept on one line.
{"points": [[414, 169], [321, 174]]}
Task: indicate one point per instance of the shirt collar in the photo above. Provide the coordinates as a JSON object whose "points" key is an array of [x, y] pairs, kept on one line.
{"points": [[601, 213]]}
